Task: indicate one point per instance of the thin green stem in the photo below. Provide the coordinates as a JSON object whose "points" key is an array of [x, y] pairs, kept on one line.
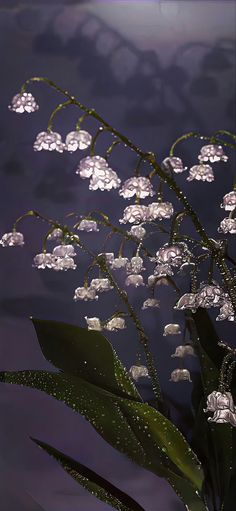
{"points": [[55, 112]]}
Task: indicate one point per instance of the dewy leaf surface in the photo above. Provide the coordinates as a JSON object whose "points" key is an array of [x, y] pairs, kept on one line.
{"points": [[85, 353], [95, 484]]}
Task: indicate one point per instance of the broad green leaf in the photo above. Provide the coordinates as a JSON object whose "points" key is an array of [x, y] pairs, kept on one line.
{"points": [[94, 483], [130, 429], [85, 353]]}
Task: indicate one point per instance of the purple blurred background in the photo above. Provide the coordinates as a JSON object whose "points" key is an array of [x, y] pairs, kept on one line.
{"points": [[153, 69]]}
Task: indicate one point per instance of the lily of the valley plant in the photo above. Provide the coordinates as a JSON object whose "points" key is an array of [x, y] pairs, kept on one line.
{"points": [[90, 378]]}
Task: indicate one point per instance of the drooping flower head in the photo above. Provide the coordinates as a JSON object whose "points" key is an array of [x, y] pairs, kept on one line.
{"points": [[115, 324], [173, 163], [88, 226], [212, 153], [138, 231], [101, 285], [78, 140], [93, 323], [229, 201], [183, 351], [12, 239], [138, 371], [135, 214], [104, 179], [85, 293], [173, 255], [160, 210], [134, 280], [227, 226], [201, 173], [180, 375], [24, 102], [49, 141], [172, 329], [91, 164], [209, 295], [135, 265], [150, 303], [187, 301]]}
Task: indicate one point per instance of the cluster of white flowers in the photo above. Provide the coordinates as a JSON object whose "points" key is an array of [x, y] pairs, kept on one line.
{"points": [[101, 176], [61, 259], [88, 226], [208, 295], [171, 257], [52, 141], [228, 224], [212, 153], [138, 371], [139, 186], [173, 164], [136, 213], [180, 375], [201, 172], [172, 329], [183, 351], [113, 325]]}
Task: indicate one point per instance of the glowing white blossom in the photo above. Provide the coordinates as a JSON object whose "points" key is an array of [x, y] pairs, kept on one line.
{"points": [[134, 280], [88, 226], [228, 226], [150, 303], [180, 375], [223, 417], [183, 351], [91, 164], [101, 285], [135, 265], [64, 251], [173, 163], [78, 140], [49, 141], [222, 406], [138, 371], [24, 102], [187, 301], [201, 173], [93, 324], [43, 260], [85, 293], [212, 153], [135, 214], [55, 235], [229, 201], [12, 239], [160, 210], [138, 231], [104, 179], [114, 324], [209, 295], [119, 262], [173, 255], [172, 329], [139, 186]]}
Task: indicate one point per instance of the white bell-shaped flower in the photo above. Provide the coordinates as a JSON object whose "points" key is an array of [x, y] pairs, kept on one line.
{"points": [[44, 260], [24, 102], [160, 210], [209, 295], [93, 323], [104, 179], [134, 280], [49, 141], [135, 265], [139, 186], [88, 226], [228, 226], [135, 214], [187, 301], [138, 371], [119, 262], [229, 201], [183, 351], [212, 153], [12, 239], [180, 375], [116, 323], [173, 255], [91, 164], [226, 311], [173, 163], [219, 401], [78, 140], [101, 285], [163, 270], [150, 303], [201, 173], [138, 231], [172, 329], [63, 263], [64, 251]]}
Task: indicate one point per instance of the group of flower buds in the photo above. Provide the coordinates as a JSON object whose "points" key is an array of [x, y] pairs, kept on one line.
{"points": [[61, 259], [228, 224], [208, 295], [89, 292], [169, 258], [222, 406], [201, 172], [101, 176]]}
